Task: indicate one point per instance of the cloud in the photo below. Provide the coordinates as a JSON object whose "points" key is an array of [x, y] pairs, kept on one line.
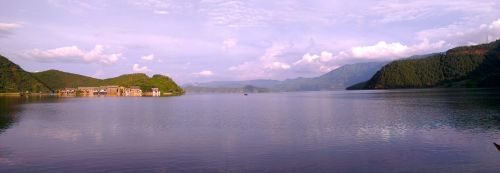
{"points": [[277, 65], [380, 50], [383, 50], [315, 63], [161, 12], [204, 73], [73, 54], [397, 11], [267, 65], [309, 58], [8, 26], [136, 68], [229, 43], [78, 7], [463, 35], [150, 57]]}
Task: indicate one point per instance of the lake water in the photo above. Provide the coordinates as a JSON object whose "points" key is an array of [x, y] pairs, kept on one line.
{"points": [[337, 131]]}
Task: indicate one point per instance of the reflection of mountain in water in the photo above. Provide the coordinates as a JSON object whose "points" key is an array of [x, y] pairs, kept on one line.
{"points": [[461, 109], [8, 109]]}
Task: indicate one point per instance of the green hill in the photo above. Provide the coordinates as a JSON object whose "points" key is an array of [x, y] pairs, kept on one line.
{"points": [[57, 80], [14, 79], [164, 83], [468, 66]]}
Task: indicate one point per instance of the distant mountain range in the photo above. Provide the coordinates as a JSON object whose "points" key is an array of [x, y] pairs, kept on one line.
{"points": [[467, 66], [336, 79], [15, 79]]}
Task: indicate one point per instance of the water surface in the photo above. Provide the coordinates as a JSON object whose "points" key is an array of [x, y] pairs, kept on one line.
{"points": [[337, 131]]}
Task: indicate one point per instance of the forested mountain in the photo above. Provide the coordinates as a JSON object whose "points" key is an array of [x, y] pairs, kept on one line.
{"points": [[244, 89], [467, 66], [339, 78], [57, 79], [14, 79], [238, 84]]}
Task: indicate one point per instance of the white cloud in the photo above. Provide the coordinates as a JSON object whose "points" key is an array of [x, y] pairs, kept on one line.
{"points": [[204, 73], [388, 51], [9, 26], [78, 7], [277, 65], [380, 50], [309, 58], [138, 69], [73, 54], [316, 63], [460, 35], [161, 12], [150, 57], [229, 43], [396, 11]]}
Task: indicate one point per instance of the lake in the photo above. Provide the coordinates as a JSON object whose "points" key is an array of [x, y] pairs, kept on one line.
{"points": [[427, 130]]}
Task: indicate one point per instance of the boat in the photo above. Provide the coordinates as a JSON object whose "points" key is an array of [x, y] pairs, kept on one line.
{"points": [[496, 145], [245, 94]]}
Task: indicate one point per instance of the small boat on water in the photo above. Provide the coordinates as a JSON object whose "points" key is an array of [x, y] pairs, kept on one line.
{"points": [[496, 145], [245, 94]]}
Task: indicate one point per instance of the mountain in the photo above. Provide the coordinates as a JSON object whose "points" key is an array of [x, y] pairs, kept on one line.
{"points": [[164, 83], [239, 84], [339, 78], [14, 79], [467, 66], [58, 79], [244, 89]]}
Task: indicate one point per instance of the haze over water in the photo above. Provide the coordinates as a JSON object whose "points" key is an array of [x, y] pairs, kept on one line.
{"points": [[337, 131]]}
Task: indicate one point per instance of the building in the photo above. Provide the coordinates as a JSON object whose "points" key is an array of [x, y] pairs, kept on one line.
{"points": [[88, 91], [67, 92], [156, 91], [112, 91], [135, 91], [102, 91], [124, 91]]}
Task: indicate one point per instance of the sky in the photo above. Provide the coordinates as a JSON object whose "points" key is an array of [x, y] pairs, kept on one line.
{"points": [[210, 40]]}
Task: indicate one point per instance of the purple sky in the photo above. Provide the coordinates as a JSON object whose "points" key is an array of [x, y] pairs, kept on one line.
{"points": [[206, 40]]}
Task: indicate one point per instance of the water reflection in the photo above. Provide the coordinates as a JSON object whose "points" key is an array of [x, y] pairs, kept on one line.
{"points": [[360, 131]]}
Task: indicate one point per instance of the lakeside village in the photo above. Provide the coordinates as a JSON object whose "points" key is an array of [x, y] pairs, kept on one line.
{"points": [[133, 91]]}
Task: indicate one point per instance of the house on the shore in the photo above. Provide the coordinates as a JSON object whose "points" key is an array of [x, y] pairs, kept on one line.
{"points": [[155, 92], [102, 91], [88, 91], [124, 91], [67, 92], [135, 91], [112, 90]]}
